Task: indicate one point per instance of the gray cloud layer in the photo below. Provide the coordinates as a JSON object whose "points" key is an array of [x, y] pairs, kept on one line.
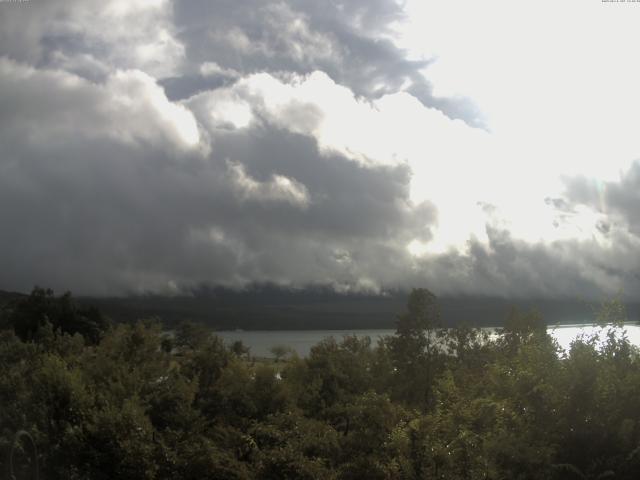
{"points": [[99, 202], [350, 41], [114, 177]]}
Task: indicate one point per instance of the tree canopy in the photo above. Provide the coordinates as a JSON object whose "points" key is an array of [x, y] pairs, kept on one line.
{"points": [[126, 401]]}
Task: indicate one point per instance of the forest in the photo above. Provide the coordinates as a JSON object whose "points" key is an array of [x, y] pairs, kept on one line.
{"points": [[95, 399]]}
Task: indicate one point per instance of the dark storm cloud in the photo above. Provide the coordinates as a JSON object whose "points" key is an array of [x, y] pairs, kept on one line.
{"points": [[104, 202], [513, 268]]}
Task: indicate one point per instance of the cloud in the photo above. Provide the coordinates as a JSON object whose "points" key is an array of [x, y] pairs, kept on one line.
{"points": [[44, 106], [352, 42], [277, 189], [92, 37], [512, 268], [103, 192], [152, 145], [616, 203]]}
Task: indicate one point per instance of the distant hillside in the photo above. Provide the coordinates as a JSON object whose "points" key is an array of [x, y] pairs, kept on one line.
{"points": [[266, 307], [8, 297], [261, 309], [273, 308]]}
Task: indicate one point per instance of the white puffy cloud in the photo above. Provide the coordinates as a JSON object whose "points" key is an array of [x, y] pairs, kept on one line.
{"points": [[277, 189], [49, 106]]}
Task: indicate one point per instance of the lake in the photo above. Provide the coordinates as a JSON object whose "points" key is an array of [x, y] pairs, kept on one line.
{"points": [[261, 341]]}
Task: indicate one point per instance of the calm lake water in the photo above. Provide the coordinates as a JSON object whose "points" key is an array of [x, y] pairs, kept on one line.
{"points": [[301, 341]]}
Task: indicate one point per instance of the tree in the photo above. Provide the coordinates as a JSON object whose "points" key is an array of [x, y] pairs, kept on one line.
{"points": [[239, 349], [191, 336], [332, 374], [42, 307], [280, 352], [415, 348]]}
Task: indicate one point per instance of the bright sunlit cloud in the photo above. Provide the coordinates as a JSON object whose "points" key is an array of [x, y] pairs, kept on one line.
{"points": [[137, 90], [557, 88]]}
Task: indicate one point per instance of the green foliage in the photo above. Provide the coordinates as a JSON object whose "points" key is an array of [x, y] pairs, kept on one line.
{"points": [[239, 349], [191, 336], [28, 315], [293, 446], [415, 349], [333, 373], [132, 402]]}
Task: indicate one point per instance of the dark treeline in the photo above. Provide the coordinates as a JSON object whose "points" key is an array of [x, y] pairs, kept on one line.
{"points": [[272, 307], [125, 401]]}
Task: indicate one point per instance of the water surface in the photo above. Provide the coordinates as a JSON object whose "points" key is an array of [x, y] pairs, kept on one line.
{"points": [[261, 341]]}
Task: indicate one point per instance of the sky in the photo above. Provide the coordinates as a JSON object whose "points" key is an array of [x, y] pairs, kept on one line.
{"points": [[473, 148]]}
